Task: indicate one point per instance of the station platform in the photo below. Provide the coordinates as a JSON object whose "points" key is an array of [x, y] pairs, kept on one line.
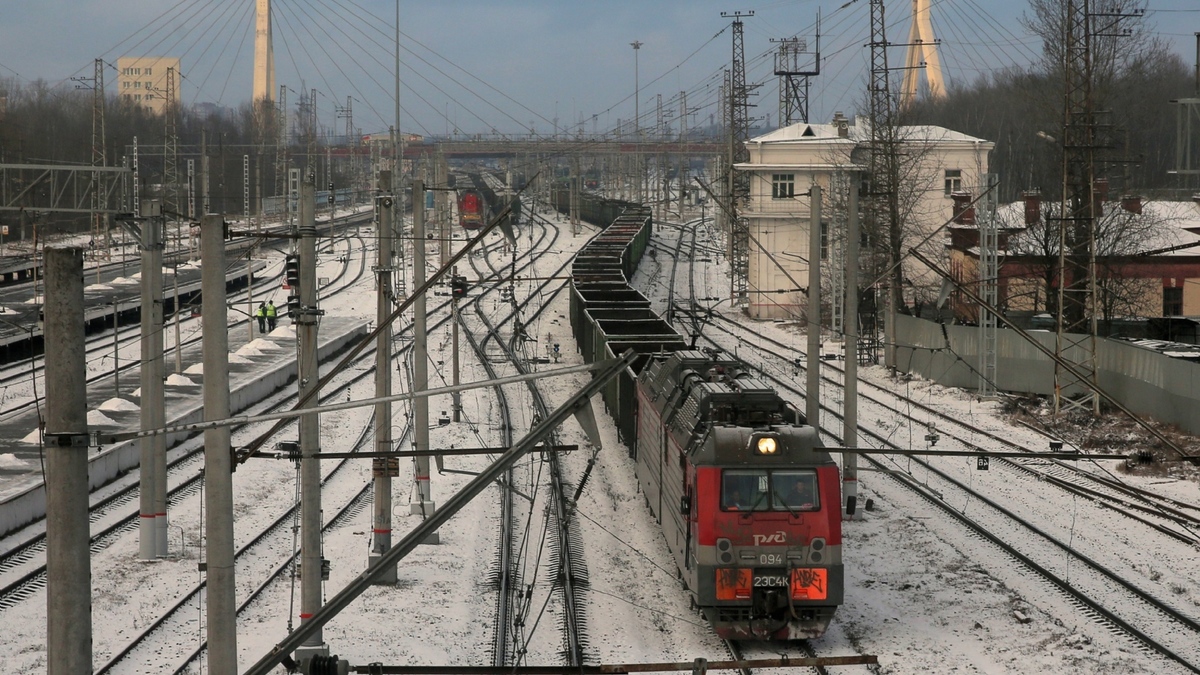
{"points": [[113, 294], [257, 369]]}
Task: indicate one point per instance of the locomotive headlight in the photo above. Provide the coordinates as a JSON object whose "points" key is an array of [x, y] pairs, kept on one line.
{"points": [[766, 445]]}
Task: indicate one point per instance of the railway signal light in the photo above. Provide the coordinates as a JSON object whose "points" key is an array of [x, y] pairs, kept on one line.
{"points": [[293, 306], [331, 192], [291, 270], [458, 287]]}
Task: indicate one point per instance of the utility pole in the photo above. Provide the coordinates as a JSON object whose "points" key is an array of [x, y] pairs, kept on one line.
{"points": [[812, 397], [68, 562], [281, 163], [312, 563], [683, 153], [218, 456], [383, 469], [205, 205], [637, 117], [153, 414], [850, 347], [989, 273], [456, 397], [424, 506]]}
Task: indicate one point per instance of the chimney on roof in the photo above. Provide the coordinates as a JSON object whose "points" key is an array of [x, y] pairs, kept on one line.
{"points": [[1033, 206], [842, 124], [1132, 203]]}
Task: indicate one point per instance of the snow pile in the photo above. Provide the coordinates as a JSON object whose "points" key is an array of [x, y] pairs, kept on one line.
{"points": [[194, 369], [11, 461], [261, 345], [177, 380], [120, 404], [95, 418]]}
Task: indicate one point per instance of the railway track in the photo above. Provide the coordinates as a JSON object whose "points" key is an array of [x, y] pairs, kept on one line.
{"points": [[1173, 518], [569, 573], [100, 348], [1093, 587]]}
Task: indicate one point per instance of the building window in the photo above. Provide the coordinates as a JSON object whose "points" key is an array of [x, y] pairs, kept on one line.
{"points": [[149, 96], [137, 84], [137, 71], [137, 97], [824, 240], [953, 181], [126, 83], [1173, 301], [148, 71], [783, 185]]}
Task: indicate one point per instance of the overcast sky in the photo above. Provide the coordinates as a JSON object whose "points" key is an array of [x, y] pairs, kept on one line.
{"points": [[556, 60]]}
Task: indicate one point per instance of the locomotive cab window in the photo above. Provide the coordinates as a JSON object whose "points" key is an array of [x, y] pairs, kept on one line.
{"points": [[795, 490], [760, 490]]}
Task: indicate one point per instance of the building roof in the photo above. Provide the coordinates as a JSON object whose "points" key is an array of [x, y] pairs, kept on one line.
{"points": [[860, 133], [1172, 225]]}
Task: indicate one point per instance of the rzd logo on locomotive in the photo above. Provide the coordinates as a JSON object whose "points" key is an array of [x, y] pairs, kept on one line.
{"points": [[779, 537]]}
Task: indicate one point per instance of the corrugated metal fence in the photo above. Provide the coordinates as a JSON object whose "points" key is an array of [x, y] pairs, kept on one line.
{"points": [[1147, 382]]}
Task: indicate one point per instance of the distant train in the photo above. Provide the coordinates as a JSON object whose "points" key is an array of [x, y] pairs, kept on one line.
{"points": [[748, 500], [472, 209]]}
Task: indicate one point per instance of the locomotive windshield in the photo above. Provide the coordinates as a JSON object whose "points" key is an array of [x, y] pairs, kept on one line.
{"points": [[761, 490]]}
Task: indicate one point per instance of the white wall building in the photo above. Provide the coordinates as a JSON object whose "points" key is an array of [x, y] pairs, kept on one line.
{"points": [[142, 80], [785, 163]]}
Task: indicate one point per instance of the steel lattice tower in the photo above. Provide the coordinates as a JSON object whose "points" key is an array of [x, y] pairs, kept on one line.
{"points": [[170, 148], [99, 150], [1076, 335], [794, 78], [883, 228], [281, 150], [739, 181]]}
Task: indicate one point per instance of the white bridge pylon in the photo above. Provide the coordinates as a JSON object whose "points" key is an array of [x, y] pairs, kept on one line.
{"points": [[921, 54]]}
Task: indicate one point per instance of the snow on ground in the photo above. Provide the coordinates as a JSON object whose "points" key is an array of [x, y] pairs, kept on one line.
{"points": [[923, 601]]}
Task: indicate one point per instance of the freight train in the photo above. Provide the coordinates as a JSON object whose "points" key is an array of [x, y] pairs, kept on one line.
{"points": [[747, 499]]}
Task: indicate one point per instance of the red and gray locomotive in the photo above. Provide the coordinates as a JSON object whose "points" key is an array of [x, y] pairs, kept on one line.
{"points": [[746, 496], [472, 209]]}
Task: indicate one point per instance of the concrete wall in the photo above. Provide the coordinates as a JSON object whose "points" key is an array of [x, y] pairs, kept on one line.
{"points": [[1145, 381]]}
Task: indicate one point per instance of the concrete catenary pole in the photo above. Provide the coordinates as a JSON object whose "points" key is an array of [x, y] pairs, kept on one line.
{"points": [[383, 468], [850, 378], [812, 396], [218, 460], [311, 559], [153, 467], [424, 505], [456, 398], [151, 394], [68, 570]]}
